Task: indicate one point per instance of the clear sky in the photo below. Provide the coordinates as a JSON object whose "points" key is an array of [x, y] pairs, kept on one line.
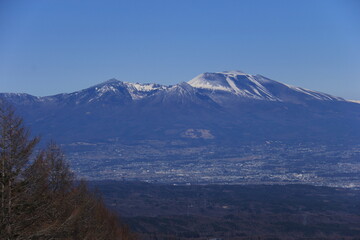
{"points": [[54, 46]]}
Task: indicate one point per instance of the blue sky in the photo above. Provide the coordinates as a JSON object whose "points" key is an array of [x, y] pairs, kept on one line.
{"points": [[53, 46]]}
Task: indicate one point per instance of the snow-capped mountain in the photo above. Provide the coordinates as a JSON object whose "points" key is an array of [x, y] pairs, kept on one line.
{"points": [[235, 82], [255, 87], [221, 87], [230, 106]]}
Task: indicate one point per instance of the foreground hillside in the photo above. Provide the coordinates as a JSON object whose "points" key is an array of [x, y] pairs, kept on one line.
{"points": [[39, 197], [235, 211]]}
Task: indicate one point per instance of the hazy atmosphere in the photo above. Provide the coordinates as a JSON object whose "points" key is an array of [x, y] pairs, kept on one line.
{"points": [[49, 47]]}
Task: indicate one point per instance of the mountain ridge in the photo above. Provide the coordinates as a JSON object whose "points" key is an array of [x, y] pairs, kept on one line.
{"points": [[245, 108], [237, 84]]}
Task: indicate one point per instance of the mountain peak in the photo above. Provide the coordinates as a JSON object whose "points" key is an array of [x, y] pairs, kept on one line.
{"points": [[110, 81], [211, 81], [233, 72], [235, 82], [182, 88], [256, 87]]}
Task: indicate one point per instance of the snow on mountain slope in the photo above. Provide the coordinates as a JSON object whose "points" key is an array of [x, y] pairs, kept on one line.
{"points": [[182, 89], [255, 87], [177, 94], [235, 82], [211, 81], [316, 95], [19, 98], [286, 92], [108, 91], [139, 91], [135, 90], [111, 90]]}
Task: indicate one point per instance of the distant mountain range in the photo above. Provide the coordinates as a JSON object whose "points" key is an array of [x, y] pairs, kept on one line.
{"points": [[223, 107], [224, 127]]}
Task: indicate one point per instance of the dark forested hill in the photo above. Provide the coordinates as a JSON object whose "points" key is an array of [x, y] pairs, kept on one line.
{"points": [[235, 211]]}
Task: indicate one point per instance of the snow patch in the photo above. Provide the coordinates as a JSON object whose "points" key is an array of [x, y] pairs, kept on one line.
{"points": [[316, 95], [138, 91], [211, 81], [104, 89]]}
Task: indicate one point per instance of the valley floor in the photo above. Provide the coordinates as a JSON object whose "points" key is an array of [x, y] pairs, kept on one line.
{"points": [[175, 162], [158, 211]]}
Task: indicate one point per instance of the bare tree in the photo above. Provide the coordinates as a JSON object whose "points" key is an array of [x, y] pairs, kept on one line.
{"points": [[40, 198], [16, 147]]}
